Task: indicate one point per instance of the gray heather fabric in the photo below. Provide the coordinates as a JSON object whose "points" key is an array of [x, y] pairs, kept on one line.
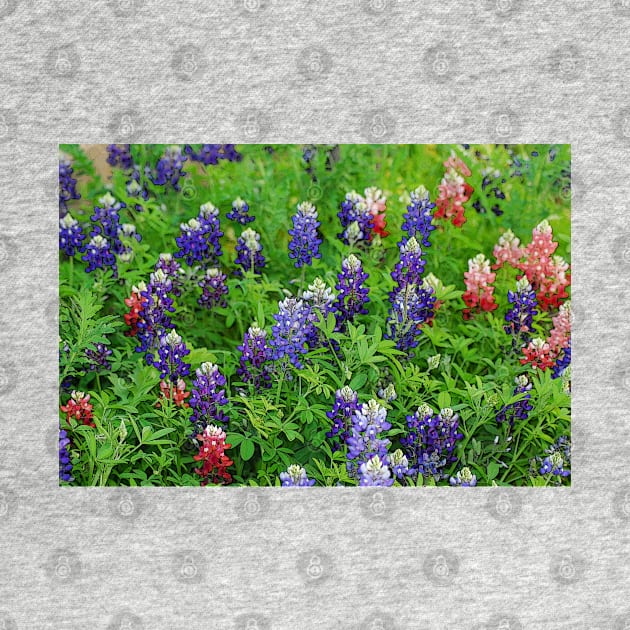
{"points": [[353, 71]]}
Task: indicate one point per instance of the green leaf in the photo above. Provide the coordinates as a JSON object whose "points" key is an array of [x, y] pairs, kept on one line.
{"points": [[493, 470], [358, 381], [247, 450], [444, 400]]}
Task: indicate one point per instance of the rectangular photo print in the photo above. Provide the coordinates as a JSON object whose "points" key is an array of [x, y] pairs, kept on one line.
{"points": [[314, 315]]}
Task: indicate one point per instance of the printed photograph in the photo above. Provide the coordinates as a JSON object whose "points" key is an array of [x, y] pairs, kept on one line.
{"points": [[315, 315]]}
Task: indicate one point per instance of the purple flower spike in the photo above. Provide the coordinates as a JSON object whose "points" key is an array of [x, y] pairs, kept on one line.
{"points": [[305, 242], [291, 331], [295, 477], [249, 252], [71, 236], [67, 186], [65, 465], [255, 355], [418, 218], [214, 289], [352, 296], [240, 212], [171, 353], [207, 398]]}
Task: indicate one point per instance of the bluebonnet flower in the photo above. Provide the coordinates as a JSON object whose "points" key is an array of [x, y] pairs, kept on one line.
{"points": [[520, 317], [388, 392], [171, 353], [255, 354], [67, 186], [173, 270], [305, 241], [374, 472], [295, 476], [136, 186], [208, 397], [71, 235], [249, 252], [418, 218], [214, 289], [464, 478], [558, 459], [99, 256], [169, 169], [120, 155], [520, 409], [399, 463], [240, 212], [356, 220], [106, 219], [211, 153], [98, 357], [199, 239], [352, 296], [368, 422], [431, 440], [409, 268], [290, 332], [346, 403], [320, 297], [412, 307], [562, 362], [65, 465], [153, 316]]}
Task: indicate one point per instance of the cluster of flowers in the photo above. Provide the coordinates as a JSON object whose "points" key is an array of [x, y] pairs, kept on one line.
{"points": [[546, 274], [362, 216], [80, 409], [453, 191], [110, 239], [67, 186], [556, 462], [428, 446], [413, 298], [431, 441], [555, 351], [518, 410]]}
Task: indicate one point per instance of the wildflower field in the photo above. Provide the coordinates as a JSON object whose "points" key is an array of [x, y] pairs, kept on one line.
{"points": [[314, 315]]}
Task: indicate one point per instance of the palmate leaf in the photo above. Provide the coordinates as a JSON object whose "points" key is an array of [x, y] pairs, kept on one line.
{"points": [[81, 329]]}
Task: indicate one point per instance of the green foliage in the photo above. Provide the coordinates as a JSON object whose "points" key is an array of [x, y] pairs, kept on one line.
{"points": [[139, 443]]}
